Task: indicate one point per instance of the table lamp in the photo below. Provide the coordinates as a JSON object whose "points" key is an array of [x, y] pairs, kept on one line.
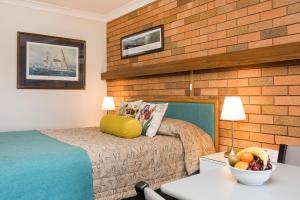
{"points": [[108, 103], [232, 110]]}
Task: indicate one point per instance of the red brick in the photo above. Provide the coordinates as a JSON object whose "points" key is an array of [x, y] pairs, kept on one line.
{"points": [[293, 29], [294, 131], [209, 76], [294, 69], [215, 4], [208, 29], [249, 91], [225, 124], [249, 37], [270, 146], [217, 51], [261, 119], [201, 84], [287, 120], [184, 14], [200, 39], [238, 82], [217, 19], [260, 7], [279, 12], [260, 26], [287, 80], [286, 39], [278, 90], [274, 71], [227, 41], [244, 144], [286, 20], [217, 35], [243, 126], [238, 31], [249, 73], [287, 140], [199, 9], [218, 83], [225, 141], [199, 53], [209, 92], [266, 138], [226, 25], [279, 3], [262, 100], [248, 20], [287, 100], [275, 110], [195, 47], [294, 90], [237, 14], [294, 8], [253, 109], [261, 43], [294, 110], [263, 81], [274, 129], [243, 135], [184, 43]]}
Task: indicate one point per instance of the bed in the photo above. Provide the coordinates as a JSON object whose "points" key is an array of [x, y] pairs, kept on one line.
{"points": [[117, 164]]}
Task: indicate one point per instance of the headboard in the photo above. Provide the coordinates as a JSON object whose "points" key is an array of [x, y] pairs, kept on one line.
{"points": [[201, 112]]}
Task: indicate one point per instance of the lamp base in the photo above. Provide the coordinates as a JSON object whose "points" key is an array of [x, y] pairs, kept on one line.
{"points": [[229, 152]]}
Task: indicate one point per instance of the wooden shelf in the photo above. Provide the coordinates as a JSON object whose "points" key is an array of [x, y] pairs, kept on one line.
{"points": [[261, 56]]}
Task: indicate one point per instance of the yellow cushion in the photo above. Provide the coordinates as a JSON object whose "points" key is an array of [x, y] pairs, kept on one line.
{"points": [[121, 126]]}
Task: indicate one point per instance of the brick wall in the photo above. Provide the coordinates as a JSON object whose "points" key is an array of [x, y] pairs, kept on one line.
{"points": [[204, 27]]}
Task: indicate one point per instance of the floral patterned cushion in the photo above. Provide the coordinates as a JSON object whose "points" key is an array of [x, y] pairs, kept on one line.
{"points": [[129, 109], [150, 116]]}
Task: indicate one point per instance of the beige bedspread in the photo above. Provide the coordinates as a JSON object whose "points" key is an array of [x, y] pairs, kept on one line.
{"points": [[118, 164]]}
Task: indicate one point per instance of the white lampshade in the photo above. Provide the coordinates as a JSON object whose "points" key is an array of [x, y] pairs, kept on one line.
{"points": [[233, 109], [108, 103]]}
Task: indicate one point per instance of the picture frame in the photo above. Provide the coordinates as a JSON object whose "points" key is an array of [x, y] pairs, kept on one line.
{"points": [[50, 62], [144, 42]]}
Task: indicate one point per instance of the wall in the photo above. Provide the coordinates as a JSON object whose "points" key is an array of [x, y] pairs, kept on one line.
{"points": [[205, 27], [39, 109]]}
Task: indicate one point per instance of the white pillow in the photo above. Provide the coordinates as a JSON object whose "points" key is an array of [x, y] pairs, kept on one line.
{"points": [[150, 116], [129, 109]]}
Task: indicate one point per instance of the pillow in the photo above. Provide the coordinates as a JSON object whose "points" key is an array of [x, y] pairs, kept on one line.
{"points": [[130, 109], [150, 116], [120, 126], [170, 127]]}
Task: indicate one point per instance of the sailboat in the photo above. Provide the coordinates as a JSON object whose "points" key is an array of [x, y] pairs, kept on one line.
{"points": [[59, 62]]}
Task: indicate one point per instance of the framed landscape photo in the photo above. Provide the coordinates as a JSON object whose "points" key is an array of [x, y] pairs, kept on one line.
{"points": [[48, 62], [144, 42]]}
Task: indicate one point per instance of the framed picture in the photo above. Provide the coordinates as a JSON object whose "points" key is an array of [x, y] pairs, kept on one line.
{"points": [[48, 62], [144, 42]]}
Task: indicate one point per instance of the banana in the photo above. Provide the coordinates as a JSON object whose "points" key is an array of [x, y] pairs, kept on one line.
{"points": [[256, 151]]}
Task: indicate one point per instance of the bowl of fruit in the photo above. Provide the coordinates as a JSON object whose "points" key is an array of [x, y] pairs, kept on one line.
{"points": [[251, 166]]}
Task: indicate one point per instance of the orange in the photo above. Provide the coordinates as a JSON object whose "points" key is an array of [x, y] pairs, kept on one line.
{"points": [[247, 157], [241, 165]]}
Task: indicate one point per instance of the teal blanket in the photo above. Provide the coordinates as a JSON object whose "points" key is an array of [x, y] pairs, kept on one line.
{"points": [[34, 166]]}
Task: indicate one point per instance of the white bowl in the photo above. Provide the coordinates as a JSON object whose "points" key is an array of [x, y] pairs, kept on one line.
{"points": [[248, 177]]}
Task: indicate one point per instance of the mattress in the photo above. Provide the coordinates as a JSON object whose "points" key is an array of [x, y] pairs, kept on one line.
{"points": [[118, 163]]}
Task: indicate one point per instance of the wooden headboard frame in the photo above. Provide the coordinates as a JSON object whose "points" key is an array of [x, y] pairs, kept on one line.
{"points": [[215, 102]]}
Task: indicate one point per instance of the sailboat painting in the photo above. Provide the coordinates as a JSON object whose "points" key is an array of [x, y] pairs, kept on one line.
{"points": [[51, 62]]}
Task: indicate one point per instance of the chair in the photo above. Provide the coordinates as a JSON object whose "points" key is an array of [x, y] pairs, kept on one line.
{"points": [[144, 192], [289, 155]]}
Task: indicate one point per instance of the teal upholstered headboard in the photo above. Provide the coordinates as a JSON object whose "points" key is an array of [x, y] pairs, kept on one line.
{"points": [[201, 112]]}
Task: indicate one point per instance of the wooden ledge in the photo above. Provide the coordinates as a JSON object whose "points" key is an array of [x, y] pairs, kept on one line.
{"points": [[260, 56]]}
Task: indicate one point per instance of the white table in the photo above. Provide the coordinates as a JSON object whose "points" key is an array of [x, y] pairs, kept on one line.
{"points": [[219, 184]]}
